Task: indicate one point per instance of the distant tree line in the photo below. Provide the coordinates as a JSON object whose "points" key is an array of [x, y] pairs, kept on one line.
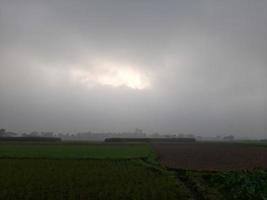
{"points": [[150, 140], [4, 133], [33, 136]]}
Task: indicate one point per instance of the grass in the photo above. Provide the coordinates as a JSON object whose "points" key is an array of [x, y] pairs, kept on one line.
{"points": [[85, 179], [74, 151]]}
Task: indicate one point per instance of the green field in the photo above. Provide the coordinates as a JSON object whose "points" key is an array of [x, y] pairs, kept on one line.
{"points": [[70, 171], [84, 171], [74, 150], [32, 179]]}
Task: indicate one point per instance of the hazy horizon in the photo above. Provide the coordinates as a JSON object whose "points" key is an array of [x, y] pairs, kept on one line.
{"points": [[174, 66]]}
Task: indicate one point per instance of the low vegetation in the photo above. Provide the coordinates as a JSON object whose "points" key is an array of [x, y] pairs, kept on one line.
{"points": [[31, 179], [230, 185], [57, 170], [74, 150]]}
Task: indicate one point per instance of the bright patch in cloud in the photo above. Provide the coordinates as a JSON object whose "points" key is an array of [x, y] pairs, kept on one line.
{"points": [[111, 74]]}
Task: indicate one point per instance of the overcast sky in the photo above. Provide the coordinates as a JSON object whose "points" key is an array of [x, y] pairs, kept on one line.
{"points": [[173, 66]]}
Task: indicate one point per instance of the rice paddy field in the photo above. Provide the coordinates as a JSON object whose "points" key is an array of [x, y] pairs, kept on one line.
{"points": [[59, 171]]}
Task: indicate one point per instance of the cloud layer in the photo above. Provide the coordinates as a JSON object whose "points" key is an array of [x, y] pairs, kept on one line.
{"points": [[197, 67]]}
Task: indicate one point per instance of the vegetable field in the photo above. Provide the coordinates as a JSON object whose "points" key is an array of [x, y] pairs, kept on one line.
{"points": [[225, 185]]}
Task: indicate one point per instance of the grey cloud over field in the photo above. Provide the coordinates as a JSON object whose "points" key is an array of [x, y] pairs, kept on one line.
{"points": [[174, 66]]}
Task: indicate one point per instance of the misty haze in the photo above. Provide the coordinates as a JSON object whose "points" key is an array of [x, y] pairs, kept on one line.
{"points": [[194, 67], [122, 89]]}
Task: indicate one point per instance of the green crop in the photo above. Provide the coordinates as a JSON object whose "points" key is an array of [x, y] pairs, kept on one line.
{"points": [[74, 151], [42, 179], [242, 185]]}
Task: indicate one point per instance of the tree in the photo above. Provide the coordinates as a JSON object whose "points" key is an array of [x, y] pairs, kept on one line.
{"points": [[230, 137], [2, 132]]}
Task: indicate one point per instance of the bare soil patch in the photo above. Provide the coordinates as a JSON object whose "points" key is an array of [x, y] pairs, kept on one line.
{"points": [[211, 156]]}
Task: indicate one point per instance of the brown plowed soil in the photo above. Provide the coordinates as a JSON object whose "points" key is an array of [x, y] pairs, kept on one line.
{"points": [[212, 156]]}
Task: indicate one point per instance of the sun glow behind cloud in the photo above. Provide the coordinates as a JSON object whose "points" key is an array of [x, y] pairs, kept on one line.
{"points": [[111, 74]]}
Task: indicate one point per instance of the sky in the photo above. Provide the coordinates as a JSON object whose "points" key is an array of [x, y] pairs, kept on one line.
{"points": [[173, 66]]}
